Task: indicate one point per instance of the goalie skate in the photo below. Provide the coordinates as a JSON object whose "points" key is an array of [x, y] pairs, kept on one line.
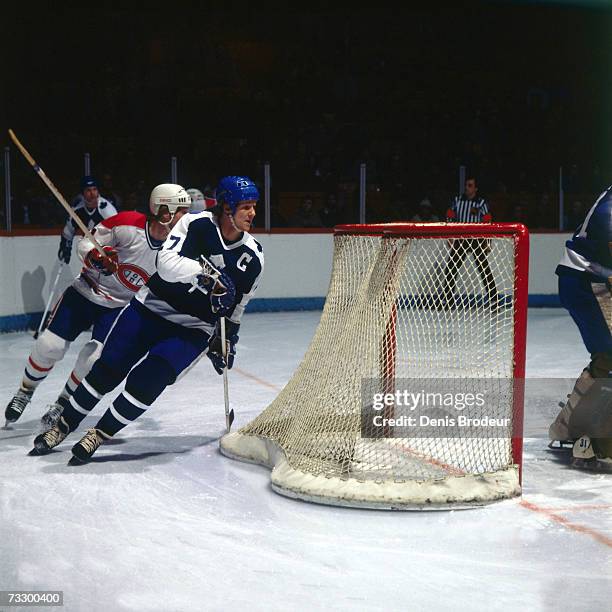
{"points": [[594, 464], [561, 445], [587, 455]]}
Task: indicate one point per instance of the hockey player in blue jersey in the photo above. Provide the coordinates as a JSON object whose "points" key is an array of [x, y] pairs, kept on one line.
{"points": [[172, 320], [585, 290], [91, 208]]}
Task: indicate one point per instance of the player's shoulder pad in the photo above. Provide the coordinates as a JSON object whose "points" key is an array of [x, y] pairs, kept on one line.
{"points": [[256, 247], [199, 220], [126, 217], [203, 214], [78, 203]]}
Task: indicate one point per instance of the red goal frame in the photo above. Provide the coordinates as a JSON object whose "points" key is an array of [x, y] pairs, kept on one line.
{"points": [[520, 234]]}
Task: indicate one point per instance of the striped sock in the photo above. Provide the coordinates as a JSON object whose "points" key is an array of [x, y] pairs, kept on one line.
{"points": [[34, 374], [122, 412], [70, 387], [81, 404]]}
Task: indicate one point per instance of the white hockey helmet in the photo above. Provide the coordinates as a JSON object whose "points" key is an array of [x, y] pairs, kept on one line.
{"points": [[170, 195], [198, 203]]}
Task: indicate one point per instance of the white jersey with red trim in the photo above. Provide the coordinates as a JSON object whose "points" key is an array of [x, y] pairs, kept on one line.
{"points": [[128, 233]]}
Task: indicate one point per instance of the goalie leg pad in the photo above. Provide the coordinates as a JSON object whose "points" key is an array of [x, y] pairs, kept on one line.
{"points": [[559, 430], [588, 410], [601, 365]]}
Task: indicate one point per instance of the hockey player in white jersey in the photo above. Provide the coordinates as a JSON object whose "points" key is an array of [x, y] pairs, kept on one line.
{"points": [[172, 320], [199, 201], [96, 297], [91, 208]]}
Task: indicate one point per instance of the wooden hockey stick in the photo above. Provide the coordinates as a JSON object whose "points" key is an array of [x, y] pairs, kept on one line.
{"points": [[55, 191], [229, 414], [51, 296]]}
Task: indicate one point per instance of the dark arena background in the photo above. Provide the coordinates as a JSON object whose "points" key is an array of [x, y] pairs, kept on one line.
{"points": [[418, 171], [517, 92]]}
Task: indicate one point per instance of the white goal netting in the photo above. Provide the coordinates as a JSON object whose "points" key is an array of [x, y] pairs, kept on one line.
{"points": [[416, 326]]}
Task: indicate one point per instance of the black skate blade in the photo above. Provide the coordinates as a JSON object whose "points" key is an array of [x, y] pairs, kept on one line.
{"points": [[75, 461], [598, 466], [39, 452]]}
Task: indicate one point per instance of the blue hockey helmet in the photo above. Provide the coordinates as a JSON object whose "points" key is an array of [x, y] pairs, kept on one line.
{"points": [[235, 189], [88, 181]]}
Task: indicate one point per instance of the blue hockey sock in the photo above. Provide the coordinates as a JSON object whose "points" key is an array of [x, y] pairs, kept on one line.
{"points": [[80, 404], [123, 411]]}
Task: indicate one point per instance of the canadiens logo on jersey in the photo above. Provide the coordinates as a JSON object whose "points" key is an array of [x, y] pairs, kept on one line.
{"points": [[132, 276]]}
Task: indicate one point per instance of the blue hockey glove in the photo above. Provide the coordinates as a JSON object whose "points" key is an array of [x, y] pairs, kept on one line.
{"points": [[215, 353], [222, 298], [65, 250]]}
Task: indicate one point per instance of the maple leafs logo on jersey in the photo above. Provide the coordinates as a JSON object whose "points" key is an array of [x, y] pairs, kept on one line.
{"points": [[131, 276]]}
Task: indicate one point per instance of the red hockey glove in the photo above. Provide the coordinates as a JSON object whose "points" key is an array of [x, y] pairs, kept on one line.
{"points": [[106, 264]]}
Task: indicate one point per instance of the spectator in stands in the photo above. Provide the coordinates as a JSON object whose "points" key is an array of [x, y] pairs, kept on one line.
{"points": [[329, 212], [574, 216], [108, 191], [544, 214], [131, 201], [142, 197], [425, 213], [519, 214], [305, 215], [277, 219]]}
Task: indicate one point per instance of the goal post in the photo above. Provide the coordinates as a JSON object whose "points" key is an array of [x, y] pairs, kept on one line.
{"points": [[410, 395]]}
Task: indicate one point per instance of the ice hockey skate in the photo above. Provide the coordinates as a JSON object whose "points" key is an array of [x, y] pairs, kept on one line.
{"points": [[592, 455], [84, 449], [51, 417], [17, 405], [48, 440]]}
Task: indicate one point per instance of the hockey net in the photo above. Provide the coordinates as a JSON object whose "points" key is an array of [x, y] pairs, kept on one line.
{"points": [[437, 308]]}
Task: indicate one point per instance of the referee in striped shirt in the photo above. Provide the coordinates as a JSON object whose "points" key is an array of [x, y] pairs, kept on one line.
{"points": [[469, 208]]}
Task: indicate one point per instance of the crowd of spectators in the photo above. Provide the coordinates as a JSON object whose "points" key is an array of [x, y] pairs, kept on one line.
{"points": [[229, 103]]}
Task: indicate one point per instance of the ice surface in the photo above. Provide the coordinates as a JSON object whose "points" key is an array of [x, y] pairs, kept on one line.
{"points": [[161, 521]]}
